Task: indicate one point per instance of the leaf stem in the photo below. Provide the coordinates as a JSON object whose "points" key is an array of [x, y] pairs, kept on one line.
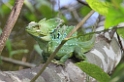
{"points": [[80, 24]]}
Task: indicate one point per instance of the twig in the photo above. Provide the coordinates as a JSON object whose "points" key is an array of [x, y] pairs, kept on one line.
{"points": [[23, 60], [10, 23], [17, 62], [97, 32], [113, 30], [75, 14], [121, 45], [80, 24], [84, 3], [62, 43]]}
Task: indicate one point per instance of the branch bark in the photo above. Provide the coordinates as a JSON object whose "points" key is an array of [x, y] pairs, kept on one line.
{"points": [[17, 62], [10, 23], [70, 72]]}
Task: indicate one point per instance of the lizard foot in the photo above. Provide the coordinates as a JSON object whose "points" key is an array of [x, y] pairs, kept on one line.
{"points": [[57, 62]]}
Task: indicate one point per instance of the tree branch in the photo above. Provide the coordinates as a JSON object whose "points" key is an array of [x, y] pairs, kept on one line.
{"points": [[80, 24], [10, 23], [17, 62]]}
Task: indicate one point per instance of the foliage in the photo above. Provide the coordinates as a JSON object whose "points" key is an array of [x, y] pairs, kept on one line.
{"points": [[118, 75], [28, 15], [13, 52], [99, 6], [32, 10], [42, 7], [121, 32], [113, 11], [85, 10], [94, 71], [6, 7]]}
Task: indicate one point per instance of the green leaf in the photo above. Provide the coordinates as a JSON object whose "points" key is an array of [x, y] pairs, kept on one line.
{"points": [[6, 7], [120, 31], [94, 71], [101, 7], [116, 3], [114, 17], [30, 16], [45, 8], [85, 10], [108, 0], [29, 5], [20, 51], [9, 46], [118, 75], [112, 10]]}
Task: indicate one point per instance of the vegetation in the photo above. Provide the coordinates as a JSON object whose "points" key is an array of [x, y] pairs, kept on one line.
{"points": [[20, 46]]}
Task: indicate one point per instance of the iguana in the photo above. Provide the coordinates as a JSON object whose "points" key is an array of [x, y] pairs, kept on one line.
{"points": [[49, 34]]}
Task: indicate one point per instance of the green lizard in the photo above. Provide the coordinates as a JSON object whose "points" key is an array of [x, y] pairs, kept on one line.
{"points": [[49, 34]]}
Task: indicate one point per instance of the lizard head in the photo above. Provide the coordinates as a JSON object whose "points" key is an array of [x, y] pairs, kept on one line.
{"points": [[43, 29]]}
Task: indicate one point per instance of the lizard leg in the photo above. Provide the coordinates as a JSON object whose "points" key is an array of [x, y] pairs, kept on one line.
{"points": [[44, 56], [79, 53], [65, 57]]}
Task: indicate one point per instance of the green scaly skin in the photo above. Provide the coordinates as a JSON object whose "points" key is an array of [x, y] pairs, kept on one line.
{"points": [[50, 33]]}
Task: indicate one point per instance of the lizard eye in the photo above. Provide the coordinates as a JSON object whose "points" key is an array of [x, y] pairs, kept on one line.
{"points": [[58, 35], [37, 26]]}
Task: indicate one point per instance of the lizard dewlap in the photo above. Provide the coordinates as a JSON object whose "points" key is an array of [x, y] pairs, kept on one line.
{"points": [[49, 34]]}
